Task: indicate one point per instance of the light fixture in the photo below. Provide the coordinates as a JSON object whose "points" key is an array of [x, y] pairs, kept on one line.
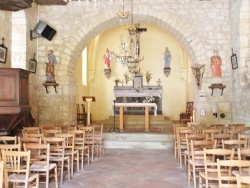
{"points": [[130, 51]]}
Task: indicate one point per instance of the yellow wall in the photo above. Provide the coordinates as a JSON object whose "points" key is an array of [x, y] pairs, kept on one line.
{"points": [[176, 87]]}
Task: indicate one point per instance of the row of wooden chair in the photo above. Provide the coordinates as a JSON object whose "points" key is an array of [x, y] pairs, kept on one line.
{"points": [[61, 144], [189, 144], [179, 139]]}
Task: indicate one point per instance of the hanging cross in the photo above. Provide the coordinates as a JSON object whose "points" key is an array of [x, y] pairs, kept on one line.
{"points": [[138, 31]]}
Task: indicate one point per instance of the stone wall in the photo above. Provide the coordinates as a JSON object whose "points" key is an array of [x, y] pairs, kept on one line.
{"points": [[200, 26], [240, 43]]}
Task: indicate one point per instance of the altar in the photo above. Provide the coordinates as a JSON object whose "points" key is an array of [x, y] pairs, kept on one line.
{"points": [[127, 94], [145, 105]]}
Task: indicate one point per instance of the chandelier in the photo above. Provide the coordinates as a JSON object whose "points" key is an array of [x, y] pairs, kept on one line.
{"points": [[130, 51]]}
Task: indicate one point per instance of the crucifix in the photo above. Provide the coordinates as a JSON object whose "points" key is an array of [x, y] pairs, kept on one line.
{"points": [[138, 31]]}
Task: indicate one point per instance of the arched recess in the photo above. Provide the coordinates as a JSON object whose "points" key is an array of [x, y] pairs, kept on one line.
{"points": [[73, 45], [183, 32]]}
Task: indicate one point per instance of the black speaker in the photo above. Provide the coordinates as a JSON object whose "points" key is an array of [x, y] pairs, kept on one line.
{"points": [[48, 32], [44, 30]]}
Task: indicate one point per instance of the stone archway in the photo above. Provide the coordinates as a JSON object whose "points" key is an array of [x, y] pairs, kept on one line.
{"points": [[73, 44]]}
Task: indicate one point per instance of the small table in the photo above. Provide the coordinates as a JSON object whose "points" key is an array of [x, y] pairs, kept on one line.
{"points": [[146, 105], [217, 86]]}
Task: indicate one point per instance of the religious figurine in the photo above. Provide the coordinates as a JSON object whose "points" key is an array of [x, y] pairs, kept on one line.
{"points": [[126, 76], [216, 65], [158, 82], [167, 57], [148, 76], [107, 58], [50, 66]]}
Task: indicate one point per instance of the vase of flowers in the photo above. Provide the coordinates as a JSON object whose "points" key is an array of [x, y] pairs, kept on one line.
{"points": [[117, 81]]}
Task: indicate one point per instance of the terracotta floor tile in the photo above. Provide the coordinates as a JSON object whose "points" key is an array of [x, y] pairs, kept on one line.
{"points": [[130, 168]]}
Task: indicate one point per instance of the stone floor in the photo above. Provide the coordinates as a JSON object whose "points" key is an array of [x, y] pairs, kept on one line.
{"points": [[130, 168]]}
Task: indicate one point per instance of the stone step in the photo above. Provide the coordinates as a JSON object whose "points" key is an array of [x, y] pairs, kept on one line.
{"points": [[138, 140]]}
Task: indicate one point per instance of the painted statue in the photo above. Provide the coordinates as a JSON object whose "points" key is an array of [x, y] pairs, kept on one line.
{"points": [[216, 65], [50, 66], [167, 57]]}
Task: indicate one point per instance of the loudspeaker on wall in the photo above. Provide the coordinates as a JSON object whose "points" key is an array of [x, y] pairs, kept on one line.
{"points": [[43, 30]]}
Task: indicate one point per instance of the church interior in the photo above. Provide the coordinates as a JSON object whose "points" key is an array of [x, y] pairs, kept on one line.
{"points": [[133, 66]]}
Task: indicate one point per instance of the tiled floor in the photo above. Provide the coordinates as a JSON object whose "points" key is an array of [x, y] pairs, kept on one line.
{"points": [[131, 168]]}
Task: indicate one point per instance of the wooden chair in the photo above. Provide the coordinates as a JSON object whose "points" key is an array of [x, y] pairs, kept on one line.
{"points": [[210, 132], [175, 137], [244, 154], [40, 161], [67, 128], [182, 142], [218, 125], [193, 137], [51, 132], [99, 139], [32, 130], [26, 140], [57, 155], [196, 161], [15, 172], [1, 174], [8, 139], [34, 135], [80, 146], [70, 150], [199, 129], [245, 180], [47, 127], [219, 137], [209, 178], [246, 138], [233, 144], [236, 126], [229, 179], [234, 133], [9, 147], [89, 138]]}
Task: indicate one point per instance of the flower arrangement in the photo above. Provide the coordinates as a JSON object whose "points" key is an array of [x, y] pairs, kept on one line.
{"points": [[148, 99], [148, 76]]}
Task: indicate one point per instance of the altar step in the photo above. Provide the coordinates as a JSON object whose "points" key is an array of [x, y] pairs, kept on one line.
{"points": [[138, 140], [136, 123]]}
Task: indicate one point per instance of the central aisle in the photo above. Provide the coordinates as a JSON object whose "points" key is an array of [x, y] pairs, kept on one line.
{"points": [[131, 168]]}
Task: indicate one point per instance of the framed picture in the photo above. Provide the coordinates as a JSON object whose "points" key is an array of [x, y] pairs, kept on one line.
{"points": [[234, 61], [3, 54], [32, 65], [137, 83], [203, 112]]}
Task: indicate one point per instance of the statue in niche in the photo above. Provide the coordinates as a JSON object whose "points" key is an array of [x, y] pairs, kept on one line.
{"points": [[167, 57], [106, 58], [50, 67]]}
